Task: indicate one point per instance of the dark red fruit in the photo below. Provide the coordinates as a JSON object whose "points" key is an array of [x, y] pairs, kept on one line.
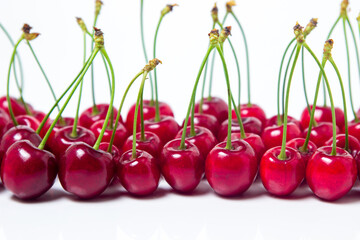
{"points": [[67, 121], [166, 129], [205, 120], [251, 125], [116, 154], [322, 114], [4, 119], [321, 133], [272, 136], [24, 120], [17, 107], [354, 129], [273, 121], [252, 110], [88, 117], [297, 143], [151, 144], [354, 144], [214, 106]]}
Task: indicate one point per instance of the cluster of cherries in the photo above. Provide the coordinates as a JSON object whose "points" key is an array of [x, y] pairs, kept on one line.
{"points": [[228, 143]]}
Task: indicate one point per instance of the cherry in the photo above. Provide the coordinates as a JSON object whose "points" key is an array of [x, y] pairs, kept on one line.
{"points": [[120, 134], [251, 125], [273, 135], [252, 110], [182, 168], [89, 117], [84, 171], [139, 176], [4, 119], [214, 106], [24, 120], [281, 177], [354, 129], [151, 144], [27, 171], [116, 154], [321, 133], [329, 176], [207, 121], [166, 129], [231, 171], [322, 114], [298, 143], [149, 112], [354, 144], [67, 121], [273, 121], [204, 140], [63, 139], [17, 106], [38, 115]]}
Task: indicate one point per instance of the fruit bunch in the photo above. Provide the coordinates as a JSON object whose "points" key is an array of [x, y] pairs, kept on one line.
{"points": [[228, 143]]}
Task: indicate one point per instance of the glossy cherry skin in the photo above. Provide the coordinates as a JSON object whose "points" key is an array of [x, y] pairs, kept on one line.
{"points": [[38, 115], [322, 114], [139, 176], [215, 107], [63, 139], [297, 143], [16, 134], [321, 133], [149, 112], [67, 121], [354, 144], [88, 118], [182, 168], [151, 145], [252, 110], [166, 129], [205, 120], [231, 172], [24, 120], [84, 171], [251, 125], [204, 140], [331, 177], [254, 141], [357, 159], [116, 155], [272, 136], [4, 120], [273, 121], [27, 171], [17, 107], [354, 129], [281, 177], [120, 134]]}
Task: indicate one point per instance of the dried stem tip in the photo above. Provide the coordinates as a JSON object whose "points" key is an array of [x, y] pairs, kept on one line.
{"points": [[98, 5], [214, 13], [311, 25], [327, 48], [26, 28], [81, 24], [99, 38], [225, 33], [343, 7], [151, 65], [26, 33], [229, 6], [214, 37], [168, 9], [299, 34]]}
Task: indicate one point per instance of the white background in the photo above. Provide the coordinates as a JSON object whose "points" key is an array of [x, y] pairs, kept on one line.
{"points": [[182, 43]]}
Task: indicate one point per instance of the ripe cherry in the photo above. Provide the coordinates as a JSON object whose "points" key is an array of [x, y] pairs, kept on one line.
{"points": [[4, 119], [354, 144], [298, 143], [322, 114], [24, 120], [274, 119], [321, 133], [272, 136], [354, 129], [151, 144], [120, 133], [207, 121], [251, 125], [89, 116], [166, 129], [17, 107], [214, 106], [252, 110]]}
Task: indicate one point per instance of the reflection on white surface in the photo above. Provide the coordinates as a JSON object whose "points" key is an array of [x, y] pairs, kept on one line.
{"points": [[168, 215]]}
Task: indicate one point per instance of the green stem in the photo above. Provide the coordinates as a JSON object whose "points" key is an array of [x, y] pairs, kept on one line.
{"points": [[303, 79], [109, 81], [136, 114], [333, 151], [142, 125], [95, 109], [211, 75], [109, 112], [157, 111], [238, 117]]}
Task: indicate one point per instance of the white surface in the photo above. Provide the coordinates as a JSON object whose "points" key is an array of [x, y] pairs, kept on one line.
{"points": [[182, 43]]}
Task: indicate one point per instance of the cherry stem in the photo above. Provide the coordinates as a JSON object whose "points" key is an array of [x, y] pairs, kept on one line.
{"points": [[120, 108], [110, 87], [279, 120], [20, 85], [192, 99], [78, 81], [228, 142], [331, 60], [333, 151], [282, 155], [136, 113], [247, 57], [303, 79], [238, 117], [94, 108], [142, 125], [144, 47]]}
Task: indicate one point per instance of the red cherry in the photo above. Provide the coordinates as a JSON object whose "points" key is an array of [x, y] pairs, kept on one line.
{"points": [[273, 121], [272, 136], [214, 106], [322, 114], [354, 129], [182, 168], [357, 159], [120, 134], [63, 139], [24, 120], [204, 140], [231, 172], [151, 145], [149, 112], [321, 133], [251, 125], [251, 110], [84, 171], [254, 141], [67, 121], [17, 107], [354, 144], [166, 129], [331, 177], [27, 171], [281, 177], [116, 154], [139, 176], [38, 115], [4, 120], [88, 118], [205, 120], [297, 143]]}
